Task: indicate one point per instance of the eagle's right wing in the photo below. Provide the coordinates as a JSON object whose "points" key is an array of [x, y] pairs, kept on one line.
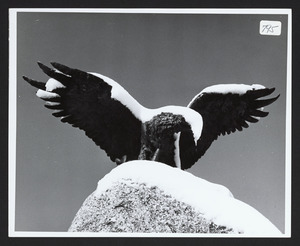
{"points": [[97, 105]]}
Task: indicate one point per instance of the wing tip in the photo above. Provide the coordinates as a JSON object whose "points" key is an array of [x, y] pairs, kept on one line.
{"points": [[34, 83], [270, 100], [56, 65], [272, 89], [25, 78], [43, 67], [40, 64]]}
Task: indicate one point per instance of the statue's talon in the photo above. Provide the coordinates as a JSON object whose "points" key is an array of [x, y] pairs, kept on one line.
{"points": [[122, 160], [155, 156]]}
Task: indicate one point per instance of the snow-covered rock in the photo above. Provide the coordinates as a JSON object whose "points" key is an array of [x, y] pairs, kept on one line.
{"points": [[147, 196]]}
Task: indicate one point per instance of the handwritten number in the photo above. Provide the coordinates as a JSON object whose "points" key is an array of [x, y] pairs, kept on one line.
{"points": [[268, 28]]}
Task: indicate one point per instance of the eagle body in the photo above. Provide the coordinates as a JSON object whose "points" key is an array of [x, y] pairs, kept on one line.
{"points": [[162, 133], [175, 135]]}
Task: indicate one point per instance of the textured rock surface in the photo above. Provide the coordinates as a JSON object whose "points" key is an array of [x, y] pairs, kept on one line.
{"points": [[134, 207], [151, 197]]}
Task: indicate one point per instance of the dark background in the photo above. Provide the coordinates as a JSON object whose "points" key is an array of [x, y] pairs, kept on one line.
{"points": [[161, 60]]}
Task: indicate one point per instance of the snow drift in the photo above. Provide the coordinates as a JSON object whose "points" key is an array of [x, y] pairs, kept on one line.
{"points": [[147, 196]]}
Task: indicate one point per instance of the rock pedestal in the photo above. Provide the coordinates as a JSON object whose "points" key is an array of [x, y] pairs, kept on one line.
{"points": [[151, 197]]}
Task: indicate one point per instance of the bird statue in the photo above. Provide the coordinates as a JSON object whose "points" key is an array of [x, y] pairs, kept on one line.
{"points": [[175, 135]]}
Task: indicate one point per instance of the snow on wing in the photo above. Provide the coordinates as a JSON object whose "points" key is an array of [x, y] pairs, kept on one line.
{"points": [[85, 101]]}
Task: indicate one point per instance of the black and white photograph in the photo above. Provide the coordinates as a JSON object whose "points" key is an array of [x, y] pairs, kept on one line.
{"points": [[150, 123]]}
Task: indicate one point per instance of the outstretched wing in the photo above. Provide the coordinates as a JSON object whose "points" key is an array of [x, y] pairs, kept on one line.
{"points": [[225, 109], [97, 105]]}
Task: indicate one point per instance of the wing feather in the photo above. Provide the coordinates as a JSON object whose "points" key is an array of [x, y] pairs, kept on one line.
{"points": [[84, 101]]}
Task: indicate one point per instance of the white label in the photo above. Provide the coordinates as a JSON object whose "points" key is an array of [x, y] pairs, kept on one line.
{"points": [[272, 28]]}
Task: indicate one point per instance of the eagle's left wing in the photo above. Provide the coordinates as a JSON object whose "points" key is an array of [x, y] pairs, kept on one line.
{"points": [[97, 105], [225, 109]]}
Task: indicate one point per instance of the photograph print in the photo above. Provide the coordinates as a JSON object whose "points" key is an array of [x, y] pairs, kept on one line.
{"points": [[150, 123]]}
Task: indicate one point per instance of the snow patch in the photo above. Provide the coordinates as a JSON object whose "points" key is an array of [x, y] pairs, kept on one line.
{"points": [[231, 88], [228, 88], [177, 150], [53, 84], [120, 94], [46, 94], [52, 103], [215, 201]]}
